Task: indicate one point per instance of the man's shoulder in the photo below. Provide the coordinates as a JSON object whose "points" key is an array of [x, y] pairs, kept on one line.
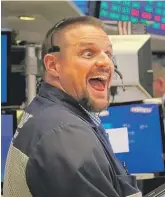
{"points": [[57, 114], [51, 117], [35, 123]]}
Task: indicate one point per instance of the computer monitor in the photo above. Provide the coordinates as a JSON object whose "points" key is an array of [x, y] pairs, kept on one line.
{"points": [[13, 84], [5, 65], [83, 6], [137, 132], [8, 127], [137, 12], [158, 192]]}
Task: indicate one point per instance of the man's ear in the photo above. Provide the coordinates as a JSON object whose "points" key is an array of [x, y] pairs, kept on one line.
{"points": [[161, 84], [160, 81], [52, 65]]}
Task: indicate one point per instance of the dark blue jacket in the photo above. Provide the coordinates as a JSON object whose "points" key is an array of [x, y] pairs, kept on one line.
{"points": [[58, 151]]}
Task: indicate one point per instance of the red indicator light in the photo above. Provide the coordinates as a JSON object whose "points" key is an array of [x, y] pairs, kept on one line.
{"points": [[157, 18], [146, 15], [162, 26], [134, 12]]}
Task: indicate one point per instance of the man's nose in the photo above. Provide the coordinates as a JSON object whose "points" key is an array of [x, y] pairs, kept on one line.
{"points": [[104, 61]]}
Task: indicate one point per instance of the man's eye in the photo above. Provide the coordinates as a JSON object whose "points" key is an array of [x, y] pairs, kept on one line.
{"points": [[109, 55], [87, 53]]}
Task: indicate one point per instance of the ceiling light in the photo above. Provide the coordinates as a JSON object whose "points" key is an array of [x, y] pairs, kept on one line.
{"points": [[27, 18]]}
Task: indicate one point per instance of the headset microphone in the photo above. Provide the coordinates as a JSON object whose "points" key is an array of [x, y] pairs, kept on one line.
{"points": [[121, 77]]}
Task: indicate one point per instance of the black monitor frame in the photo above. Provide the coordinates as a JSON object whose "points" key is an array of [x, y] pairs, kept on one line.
{"points": [[14, 114], [162, 127], [8, 35]]}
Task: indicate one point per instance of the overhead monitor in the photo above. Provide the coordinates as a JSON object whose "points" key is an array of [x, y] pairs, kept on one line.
{"points": [[136, 133], [83, 6], [8, 127], [5, 65], [143, 12]]}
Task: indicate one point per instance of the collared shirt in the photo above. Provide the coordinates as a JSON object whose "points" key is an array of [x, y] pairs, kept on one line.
{"points": [[94, 116], [96, 120]]}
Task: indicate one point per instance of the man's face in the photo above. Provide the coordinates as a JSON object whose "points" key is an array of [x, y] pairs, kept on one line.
{"points": [[86, 67]]}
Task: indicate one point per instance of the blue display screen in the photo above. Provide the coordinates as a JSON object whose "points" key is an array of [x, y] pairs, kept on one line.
{"points": [[136, 12], [144, 136], [83, 6], [3, 68], [6, 137]]}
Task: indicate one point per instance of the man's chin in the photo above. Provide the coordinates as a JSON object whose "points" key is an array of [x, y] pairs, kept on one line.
{"points": [[99, 106]]}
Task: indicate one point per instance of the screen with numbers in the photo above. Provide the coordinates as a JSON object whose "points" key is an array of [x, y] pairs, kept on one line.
{"points": [[143, 12]]}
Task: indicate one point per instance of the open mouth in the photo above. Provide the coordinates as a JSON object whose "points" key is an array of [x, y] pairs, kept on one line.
{"points": [[98, 83]]}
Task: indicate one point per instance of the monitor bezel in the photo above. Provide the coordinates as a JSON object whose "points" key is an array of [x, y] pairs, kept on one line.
{"points": [[8, 35], [161, 115], [14, 114]]}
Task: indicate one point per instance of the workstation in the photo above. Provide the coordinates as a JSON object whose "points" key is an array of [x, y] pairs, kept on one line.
{"points": [[134, 120]]}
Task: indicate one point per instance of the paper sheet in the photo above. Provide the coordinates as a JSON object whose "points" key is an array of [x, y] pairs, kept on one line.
{"points": [[119, 139]]}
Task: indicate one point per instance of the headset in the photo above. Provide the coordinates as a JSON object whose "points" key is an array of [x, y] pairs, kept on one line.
{"points": [[120, 75]]}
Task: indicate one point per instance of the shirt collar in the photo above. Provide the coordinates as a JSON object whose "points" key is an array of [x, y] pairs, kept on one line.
{"points": [[94, 116]]}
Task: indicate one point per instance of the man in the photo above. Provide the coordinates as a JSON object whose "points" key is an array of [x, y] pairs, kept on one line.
{"points": [[60, 149]]}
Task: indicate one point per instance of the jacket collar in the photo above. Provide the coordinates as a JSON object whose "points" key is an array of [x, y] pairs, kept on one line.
{"points": [[61, 98], [58, 96]]}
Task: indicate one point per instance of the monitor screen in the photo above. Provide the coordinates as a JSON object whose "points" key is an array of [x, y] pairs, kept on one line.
{"points": [[140, 125], [83, 6], [5, 65], [13, 84], [136, 12], [8, 126], [3, 68]]}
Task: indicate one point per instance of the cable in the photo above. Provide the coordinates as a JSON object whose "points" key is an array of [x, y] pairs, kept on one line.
{"points": [[113, 91], [121, 77]]}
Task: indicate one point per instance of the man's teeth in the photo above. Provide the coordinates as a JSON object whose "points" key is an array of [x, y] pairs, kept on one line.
{"points": [[100, 77]]}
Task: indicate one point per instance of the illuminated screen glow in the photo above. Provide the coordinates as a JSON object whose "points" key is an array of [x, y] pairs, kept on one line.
{"points": [[83, 6], [3, 68], [144, 136], [136, 12], [6, 137]]}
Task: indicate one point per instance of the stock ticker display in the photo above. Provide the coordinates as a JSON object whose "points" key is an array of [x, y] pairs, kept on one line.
{"points": [[137, 12]]}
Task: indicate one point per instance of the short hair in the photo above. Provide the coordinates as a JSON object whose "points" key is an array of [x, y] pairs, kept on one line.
{"points": [[61, 25]]}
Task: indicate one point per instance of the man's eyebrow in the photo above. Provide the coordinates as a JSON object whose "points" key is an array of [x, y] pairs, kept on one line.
{"points": [[92, 44]]}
